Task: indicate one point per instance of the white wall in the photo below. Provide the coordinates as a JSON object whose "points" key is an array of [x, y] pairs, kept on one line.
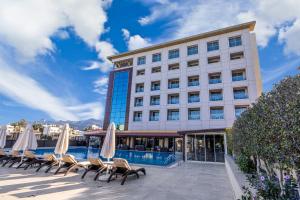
{"points": [[250, 63]]}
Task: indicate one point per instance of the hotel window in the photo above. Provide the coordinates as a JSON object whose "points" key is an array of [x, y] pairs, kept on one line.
{"points": [[141, 60], [214, 59], [138, 101], [193, 63], [139, 87], [173, 83], [191, 50], [156, 70], [193, 113], [156, 57], [155, 85], [193, 97], [238, 75], [174, 66], [155, 100], [216, 113], [213, 46], [193, 81], [140, 72], [154, 115], [235, 41], [137, 116], [173, 114], [240, 93], [215, 95], [237, 55], [173, 53], [173, 99], [214, 78], [239, 110]]}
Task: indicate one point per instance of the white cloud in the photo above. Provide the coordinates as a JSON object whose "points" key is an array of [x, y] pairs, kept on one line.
{"points": [[270, 76], [196, 16], [156, 12], [101, 85], [290, 36], [26, 91], [135, 41], [92, 110], [28, 25], [104, 50]]}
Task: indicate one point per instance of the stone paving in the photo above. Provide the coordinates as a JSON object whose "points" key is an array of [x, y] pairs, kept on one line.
{"points": [[188, 181]]}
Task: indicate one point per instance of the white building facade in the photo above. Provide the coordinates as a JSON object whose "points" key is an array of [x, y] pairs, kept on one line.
{"points": [[195, 86]]}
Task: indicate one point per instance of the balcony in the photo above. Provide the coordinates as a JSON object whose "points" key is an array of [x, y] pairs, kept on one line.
{"points": [[155, 88], [217, 115], [173, 85], [154, 102], [193, 99], [138, 104], [238, 78], [240, 95], [215, 81], [193, 83], [216, 97]]}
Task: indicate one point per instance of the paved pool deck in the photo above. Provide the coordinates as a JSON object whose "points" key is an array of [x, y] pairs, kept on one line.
{"points": [[186, 182]]}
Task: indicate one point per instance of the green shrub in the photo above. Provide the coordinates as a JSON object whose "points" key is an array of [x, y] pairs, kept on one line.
{"points": [[245, 163]]}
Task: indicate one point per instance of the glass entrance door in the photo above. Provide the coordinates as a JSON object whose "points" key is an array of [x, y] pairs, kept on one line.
{"points": [[208, 148]]}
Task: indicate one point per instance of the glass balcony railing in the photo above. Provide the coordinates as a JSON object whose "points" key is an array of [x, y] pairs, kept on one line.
{"points": [[155, 88], [173, 101], [193, 99], [238, 78], [154, 103], [137, 104], [193, 83], [137, 119], [216, 97], [172, 86], [173, 117], [240, 95], [154, 118], [217, 115], [215, 81], [139, 90]]}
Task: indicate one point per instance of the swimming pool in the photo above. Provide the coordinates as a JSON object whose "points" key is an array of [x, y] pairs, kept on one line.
{"points": [[138, 157]]}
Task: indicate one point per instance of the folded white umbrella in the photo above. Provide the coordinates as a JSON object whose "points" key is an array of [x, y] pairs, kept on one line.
{"points": [[26, 140], [109, 144], [62, 144], [3, 133]]}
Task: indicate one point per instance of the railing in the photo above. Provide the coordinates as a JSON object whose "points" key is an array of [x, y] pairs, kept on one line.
{"points": [[215, 81], [171, 86], [216, 98], [193, 99], [240, 96], [171, 158], [238, 78], [193, 83]]}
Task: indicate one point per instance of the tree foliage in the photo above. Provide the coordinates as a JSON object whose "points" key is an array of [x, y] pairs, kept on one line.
{"points": [[269, 131]]}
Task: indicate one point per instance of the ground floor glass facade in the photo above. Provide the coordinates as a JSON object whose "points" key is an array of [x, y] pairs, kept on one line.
{"points": [[202, 147]]}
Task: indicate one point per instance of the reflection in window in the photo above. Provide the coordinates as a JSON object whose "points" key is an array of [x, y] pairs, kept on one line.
{"points": [[173, 115], [137, 116], [119, 99]]}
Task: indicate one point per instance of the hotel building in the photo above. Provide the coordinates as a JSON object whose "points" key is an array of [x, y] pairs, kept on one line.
{"points": [[181, 95]]}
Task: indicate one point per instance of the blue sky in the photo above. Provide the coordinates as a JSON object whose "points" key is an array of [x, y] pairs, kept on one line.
{"points": [[53, 53]]}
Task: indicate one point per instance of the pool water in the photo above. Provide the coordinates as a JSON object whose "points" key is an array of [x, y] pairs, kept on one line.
{"points": [[138, 157]]}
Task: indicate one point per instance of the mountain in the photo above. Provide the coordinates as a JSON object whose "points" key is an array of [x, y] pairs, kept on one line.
{"points": [[79, 125]]}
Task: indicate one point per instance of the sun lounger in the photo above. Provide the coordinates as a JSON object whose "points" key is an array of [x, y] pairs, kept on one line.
{"points": [[122, 167], [3, 155], [69, 163], [96, 165], [13, 158], [30, 159], [49, 161]]}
